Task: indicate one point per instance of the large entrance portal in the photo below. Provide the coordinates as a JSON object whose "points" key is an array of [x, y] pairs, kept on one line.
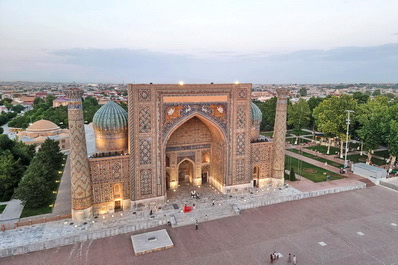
{"points": [[195, 154]]}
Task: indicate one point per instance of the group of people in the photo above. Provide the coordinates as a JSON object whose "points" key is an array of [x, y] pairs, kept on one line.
{"points": [[195, 194], [275, 256]]}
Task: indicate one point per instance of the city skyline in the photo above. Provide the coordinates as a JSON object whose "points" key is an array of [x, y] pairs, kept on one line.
{"points": [[222, 41]]}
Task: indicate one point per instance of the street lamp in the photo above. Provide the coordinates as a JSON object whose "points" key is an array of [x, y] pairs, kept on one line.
{"points": [[346, 140]]}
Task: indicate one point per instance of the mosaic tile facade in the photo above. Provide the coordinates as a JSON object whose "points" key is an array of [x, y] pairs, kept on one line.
{"points": [[80, 173], [174, 112], [144, 95], [240, 144], [241, 117], [145, 151], [146, 182], [144, 120]]}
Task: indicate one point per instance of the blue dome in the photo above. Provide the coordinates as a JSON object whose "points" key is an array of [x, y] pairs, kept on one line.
{"points": [[257, 115], [110, 117]]}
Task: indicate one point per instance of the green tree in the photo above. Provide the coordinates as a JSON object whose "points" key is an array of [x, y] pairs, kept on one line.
{"points": [[49, 100], [303, 92], [11, 172], [268, 109], [90, 107], [5, 100], [313, 102], [123, 105], [1, 130], [371, 117], [17, 108], [392, 141], [37, 102], [362, 98], [35, 190], [50, 153], [377, 92], [330, 116], [299, 116]]}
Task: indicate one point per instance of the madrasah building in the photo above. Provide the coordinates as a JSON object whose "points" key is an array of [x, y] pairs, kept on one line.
{"points": [[196, 134]]}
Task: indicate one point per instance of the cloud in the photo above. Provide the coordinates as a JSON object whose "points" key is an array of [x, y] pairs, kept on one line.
{"points": [[344, 64]]}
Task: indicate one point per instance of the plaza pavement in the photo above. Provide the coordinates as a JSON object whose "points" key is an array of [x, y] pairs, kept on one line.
{"points": [[355, 227]]}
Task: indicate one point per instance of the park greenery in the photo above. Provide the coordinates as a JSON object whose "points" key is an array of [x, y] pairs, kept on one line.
{"points": [[15, 157], [43, 110], [39, 180], [374, 121]]}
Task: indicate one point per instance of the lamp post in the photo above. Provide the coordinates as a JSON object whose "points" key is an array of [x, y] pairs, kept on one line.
{"points": [[346, 141]]}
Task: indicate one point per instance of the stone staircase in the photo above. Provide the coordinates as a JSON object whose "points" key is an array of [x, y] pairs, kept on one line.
{"points": [[202, 215], [368, 182]]}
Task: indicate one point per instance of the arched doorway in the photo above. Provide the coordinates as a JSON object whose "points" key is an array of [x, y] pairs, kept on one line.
{"points": [[193, 144], [117, 195], [185, 172], [256, 176]]}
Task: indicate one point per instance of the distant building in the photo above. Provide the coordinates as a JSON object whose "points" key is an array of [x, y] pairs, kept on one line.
{"points": [[40, 130], [60, 102]]}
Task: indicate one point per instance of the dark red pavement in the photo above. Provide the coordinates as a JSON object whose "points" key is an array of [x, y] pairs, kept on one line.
{"points": [[294, 227]]}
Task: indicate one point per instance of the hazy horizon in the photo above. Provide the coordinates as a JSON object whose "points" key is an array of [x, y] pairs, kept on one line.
{"points": [[309, 41]]}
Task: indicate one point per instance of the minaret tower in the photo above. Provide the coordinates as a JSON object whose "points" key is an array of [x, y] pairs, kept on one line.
{"points": [[82, 200], [278, 165]]}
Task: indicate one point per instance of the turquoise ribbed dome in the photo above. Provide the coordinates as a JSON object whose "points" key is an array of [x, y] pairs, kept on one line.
{"points": [[110, 117], [256, 113]]}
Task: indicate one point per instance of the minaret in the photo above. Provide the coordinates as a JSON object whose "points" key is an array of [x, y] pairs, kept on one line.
{"points": [[82, 201], [278, 165]]}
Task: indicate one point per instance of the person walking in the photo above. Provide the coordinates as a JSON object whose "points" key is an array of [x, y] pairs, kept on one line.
{"points": [[196, 224], [271, 257], [294, 260], [289, 258]]}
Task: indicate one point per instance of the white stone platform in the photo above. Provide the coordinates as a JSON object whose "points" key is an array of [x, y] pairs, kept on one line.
{"points": [[66, 232], [151, 241]]}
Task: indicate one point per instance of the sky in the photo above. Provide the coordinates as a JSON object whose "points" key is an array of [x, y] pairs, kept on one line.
{"points": [[164, 41]]}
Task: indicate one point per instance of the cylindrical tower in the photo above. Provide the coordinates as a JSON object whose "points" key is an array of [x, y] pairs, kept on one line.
{"points": [[82, 200], [111, 127], [278, 165]]}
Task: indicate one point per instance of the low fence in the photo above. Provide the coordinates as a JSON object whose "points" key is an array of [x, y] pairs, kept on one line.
{"points": [[40, 220], [33, 221], [304, 195], [146, 224]]}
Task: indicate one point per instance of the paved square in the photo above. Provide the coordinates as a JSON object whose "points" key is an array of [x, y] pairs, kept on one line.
{"points": [[294, 227], [151, 241]]}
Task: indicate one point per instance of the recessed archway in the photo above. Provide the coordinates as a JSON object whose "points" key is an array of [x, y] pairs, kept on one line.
{"points": [[193, 144]]}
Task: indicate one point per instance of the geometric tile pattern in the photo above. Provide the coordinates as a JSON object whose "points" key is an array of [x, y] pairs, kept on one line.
{"points": [[144, 119], [105, 173], [241, 119], [242, 93], [261, 157], [279, 135], [80, 173], [145, 151], [144, 95], [240, 144], [240, 170], [146, 181], [279, 138]]}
